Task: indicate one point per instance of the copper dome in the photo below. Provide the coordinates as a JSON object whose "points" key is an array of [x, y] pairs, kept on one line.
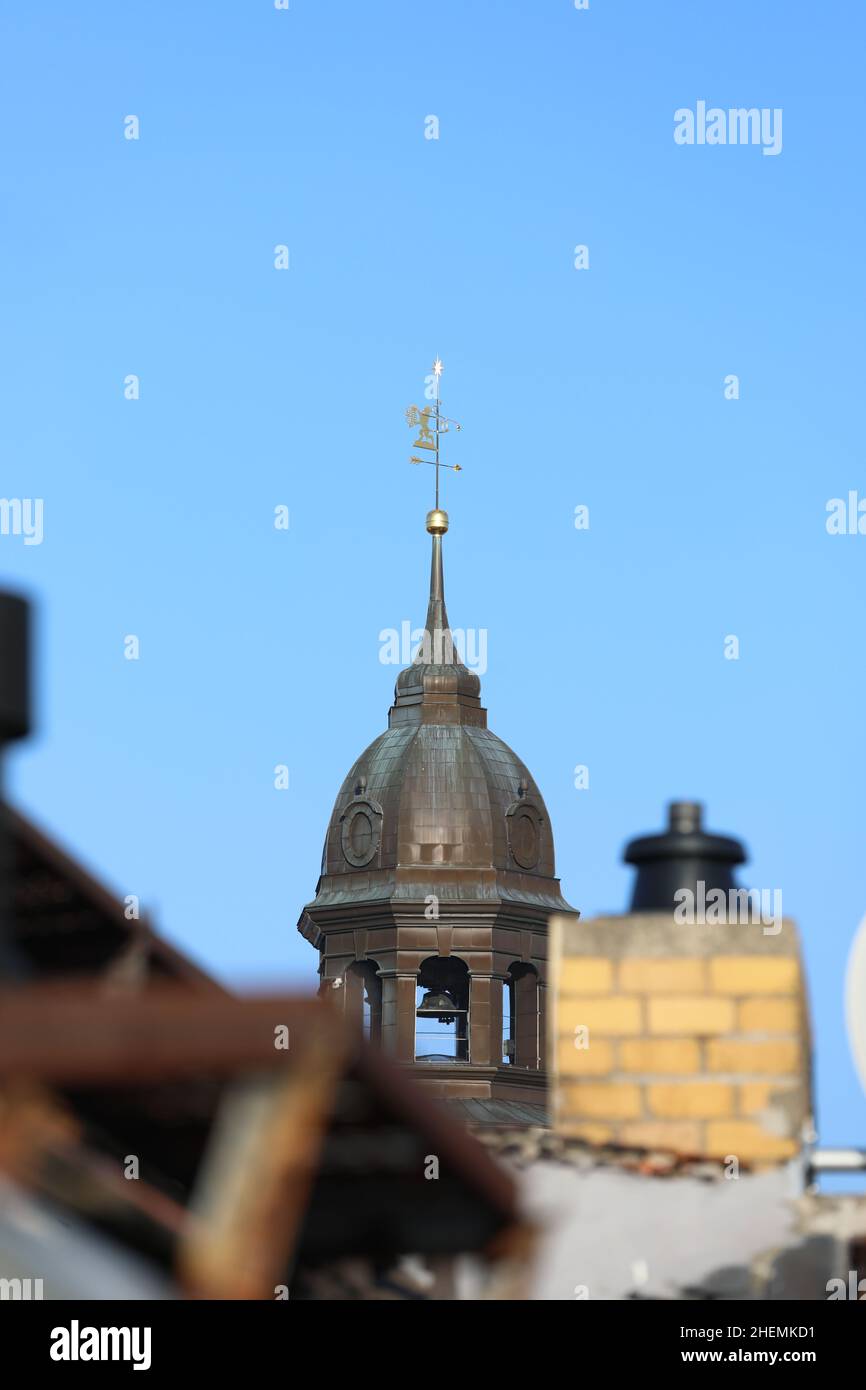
{"points": [[437, 803]]}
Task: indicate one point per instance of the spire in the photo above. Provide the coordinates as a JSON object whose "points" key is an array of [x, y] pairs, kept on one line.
{"points": [[436, 630]]}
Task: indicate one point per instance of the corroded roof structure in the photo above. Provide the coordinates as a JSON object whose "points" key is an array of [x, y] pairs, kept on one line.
{"points": [[438, 799]]}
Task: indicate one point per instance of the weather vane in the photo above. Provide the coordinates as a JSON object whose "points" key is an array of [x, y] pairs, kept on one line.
{"points": [[433, 424]]}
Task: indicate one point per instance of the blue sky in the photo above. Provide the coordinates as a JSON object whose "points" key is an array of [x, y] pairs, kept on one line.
{"points": [[602, 387]]}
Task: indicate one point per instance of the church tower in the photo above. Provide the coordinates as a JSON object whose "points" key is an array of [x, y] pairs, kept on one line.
{"points": [[438, 879]]}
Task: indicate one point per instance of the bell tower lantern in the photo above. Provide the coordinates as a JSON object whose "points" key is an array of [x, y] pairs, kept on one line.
{"points": [[438, 879]]}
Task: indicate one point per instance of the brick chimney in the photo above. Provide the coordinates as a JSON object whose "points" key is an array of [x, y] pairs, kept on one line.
{"points": [[689, 1035]]}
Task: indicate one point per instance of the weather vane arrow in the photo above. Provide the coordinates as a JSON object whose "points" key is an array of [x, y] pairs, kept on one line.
{"points": [[433, 424]]}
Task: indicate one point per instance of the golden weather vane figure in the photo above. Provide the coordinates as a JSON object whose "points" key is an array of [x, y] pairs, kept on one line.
{"points": [[432, 424]]}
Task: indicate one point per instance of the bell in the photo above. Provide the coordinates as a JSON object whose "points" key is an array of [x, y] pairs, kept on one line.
{"points": [[437, 1003]]}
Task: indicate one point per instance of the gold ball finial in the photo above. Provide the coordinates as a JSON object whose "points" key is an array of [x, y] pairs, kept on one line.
{"points": [[437, 522]]}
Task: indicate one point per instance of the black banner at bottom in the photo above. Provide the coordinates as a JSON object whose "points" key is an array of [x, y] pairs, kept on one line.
{"points": [[225, 1338]]}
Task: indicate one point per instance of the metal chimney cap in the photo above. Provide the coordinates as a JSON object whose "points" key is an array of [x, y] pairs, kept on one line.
{"points": [[685, 817], [685, 838], [679, 859]]}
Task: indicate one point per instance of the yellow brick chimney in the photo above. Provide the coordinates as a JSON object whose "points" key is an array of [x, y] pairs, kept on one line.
{"points": [[682, 1034], [680, 1037]]}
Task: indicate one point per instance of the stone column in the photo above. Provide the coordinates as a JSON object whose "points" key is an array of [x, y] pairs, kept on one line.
{"points": [[542, 1024], [353, 998], [398, 1014], [526, 1004], [485, 1020]]}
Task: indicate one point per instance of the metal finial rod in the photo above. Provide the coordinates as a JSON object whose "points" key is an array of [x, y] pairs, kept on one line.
{"points": [[437, 372], [428, 437]]}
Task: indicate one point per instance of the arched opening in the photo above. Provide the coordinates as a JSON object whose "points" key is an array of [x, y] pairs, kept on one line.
{"points": [[364, 998], [521, 1040], [442, 1010]]}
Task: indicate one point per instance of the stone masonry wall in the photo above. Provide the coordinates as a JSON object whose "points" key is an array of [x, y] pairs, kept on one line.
{"points": [[686, 1038]]}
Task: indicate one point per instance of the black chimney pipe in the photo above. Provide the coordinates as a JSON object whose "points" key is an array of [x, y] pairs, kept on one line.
{"points": [[680, 857], [14, 724]]}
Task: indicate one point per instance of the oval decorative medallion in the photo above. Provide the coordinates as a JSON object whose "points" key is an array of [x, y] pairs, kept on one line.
{"points": [[360, 833], [524, 837]]}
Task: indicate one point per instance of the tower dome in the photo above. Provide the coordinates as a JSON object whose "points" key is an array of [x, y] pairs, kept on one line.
{"points": [[438, 804]]}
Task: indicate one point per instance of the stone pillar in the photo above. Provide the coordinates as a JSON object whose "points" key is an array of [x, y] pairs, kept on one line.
{"points": [[542, 1023], [526, 1003], [485, 1020], [353, 998], [374, 991], [496, 1020], [398, 1015]]}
